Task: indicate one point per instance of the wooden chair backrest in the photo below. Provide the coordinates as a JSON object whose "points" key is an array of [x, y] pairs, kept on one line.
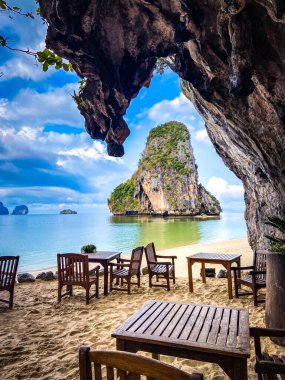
{"points": [[150, 254], [129, 366], [260, 262], [73, 268], [8, 271], [136, 260]]}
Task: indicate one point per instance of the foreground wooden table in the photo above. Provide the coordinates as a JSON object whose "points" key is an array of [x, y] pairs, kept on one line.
{"points": [[213, 258], [200, 332], [103, 258]]}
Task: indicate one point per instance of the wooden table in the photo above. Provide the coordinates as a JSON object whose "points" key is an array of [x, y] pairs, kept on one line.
{"points": [[103, 258], [213, 258], [206, 333]]}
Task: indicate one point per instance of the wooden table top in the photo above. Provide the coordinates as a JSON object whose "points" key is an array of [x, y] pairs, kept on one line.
{"points": [[203, 328], [102, 255], [215, 256]]}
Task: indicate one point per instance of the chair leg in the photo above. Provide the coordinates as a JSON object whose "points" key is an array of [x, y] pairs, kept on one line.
{"points": [[11, 299], [149, 280], [59, 293], [129, 285], [111, 279], [139, 281], [97, 286], [71, 290], [236, 285], [87, 295], [168, 282], [255, 297], [173, 273]]}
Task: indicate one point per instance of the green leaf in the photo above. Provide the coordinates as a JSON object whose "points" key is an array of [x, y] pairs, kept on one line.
{"points": [[65, 66], [3, 4], [45, 67], [16, 8], [277, 223], [3, 41]]}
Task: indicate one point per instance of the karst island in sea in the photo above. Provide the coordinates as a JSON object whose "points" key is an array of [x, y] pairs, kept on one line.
{"points": [[166, 181]]}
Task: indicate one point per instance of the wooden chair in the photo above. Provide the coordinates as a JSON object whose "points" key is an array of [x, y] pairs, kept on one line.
{"points": [[129, 367], [125, 269], [159, 269], [73, 269], [256, 279], [268, 367], [8, 271]]}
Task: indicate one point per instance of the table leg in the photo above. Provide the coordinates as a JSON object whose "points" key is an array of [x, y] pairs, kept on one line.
{"points": [[239, 272], [236, 369], [120, 344], [117, 278], [190, 275], [203, 273], [105, 279], [229, 276]]}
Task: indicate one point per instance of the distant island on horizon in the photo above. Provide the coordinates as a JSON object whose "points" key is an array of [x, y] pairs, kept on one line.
{"points": [[68, 212], [18, 210], [166, 181]]}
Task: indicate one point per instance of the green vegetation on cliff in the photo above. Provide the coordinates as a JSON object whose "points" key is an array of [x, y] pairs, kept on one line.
{"points": [[122, 198], [166, 181], [169, 135]]}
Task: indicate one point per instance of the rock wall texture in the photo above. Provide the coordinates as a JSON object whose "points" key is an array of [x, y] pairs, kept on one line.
{"points": [[3, 209], [20, 210], [230, 56], [166, 182]]}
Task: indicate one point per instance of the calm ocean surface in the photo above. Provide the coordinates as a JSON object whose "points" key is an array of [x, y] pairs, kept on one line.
{"points": [[38, 238]]}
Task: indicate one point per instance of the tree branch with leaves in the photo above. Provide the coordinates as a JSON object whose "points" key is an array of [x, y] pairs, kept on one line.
{"points": [[46, 57]]}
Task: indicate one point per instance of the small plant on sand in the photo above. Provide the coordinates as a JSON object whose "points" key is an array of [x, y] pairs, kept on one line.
{"points": [[277, 244], [88, 248]]}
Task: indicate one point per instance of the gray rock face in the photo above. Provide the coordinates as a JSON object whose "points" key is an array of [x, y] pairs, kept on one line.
{"points": [[25, 277], [3, 209], [166, 181], [222, 274], [46, 276], [145, 270], [230, 56]]}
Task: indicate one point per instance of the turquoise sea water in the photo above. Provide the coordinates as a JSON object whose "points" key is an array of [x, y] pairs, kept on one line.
{"points": [[38, 238]]}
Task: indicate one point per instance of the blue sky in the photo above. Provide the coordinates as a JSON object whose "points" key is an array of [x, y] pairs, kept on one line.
{"points": [[49, 162]]}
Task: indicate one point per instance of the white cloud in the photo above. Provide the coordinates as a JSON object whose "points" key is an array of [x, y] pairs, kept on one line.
{"points": [[24, 67], [96, 151], [34, 142], [202, 136], [55, 106], [180, 109], [220, 187]]}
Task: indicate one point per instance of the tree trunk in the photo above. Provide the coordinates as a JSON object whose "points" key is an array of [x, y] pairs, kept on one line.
{"points": [[275, 293]]}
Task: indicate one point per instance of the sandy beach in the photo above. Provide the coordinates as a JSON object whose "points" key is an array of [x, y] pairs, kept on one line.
{"points": [[40, 338]]}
